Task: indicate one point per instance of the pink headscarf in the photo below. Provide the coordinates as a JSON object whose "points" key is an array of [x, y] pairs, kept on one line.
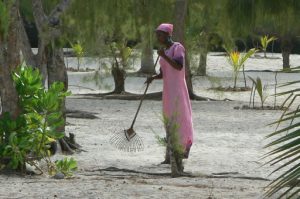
{"points": [[166, 27]]}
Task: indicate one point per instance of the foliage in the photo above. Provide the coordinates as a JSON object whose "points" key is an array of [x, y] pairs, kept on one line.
{"points": [[124, 52], [265, 41], [286, 141], [260, 89], [66, 166], [161, 140], [172, 129], [202, 24], [28, 138], [79, 52], [237, 60], [121, 54]]}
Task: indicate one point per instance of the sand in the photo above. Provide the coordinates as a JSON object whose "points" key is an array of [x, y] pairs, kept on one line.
{"points": [[225, 158]]}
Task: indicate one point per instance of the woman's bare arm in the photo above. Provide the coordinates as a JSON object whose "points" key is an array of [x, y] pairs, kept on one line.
{"points": [[173, 63]]}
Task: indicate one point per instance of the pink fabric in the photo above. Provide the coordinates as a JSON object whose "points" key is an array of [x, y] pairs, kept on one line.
{"points": [[166, 27], [176, 101]]}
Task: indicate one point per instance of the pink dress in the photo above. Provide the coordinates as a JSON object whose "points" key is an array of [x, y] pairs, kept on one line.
{"points": [[176, 101]]}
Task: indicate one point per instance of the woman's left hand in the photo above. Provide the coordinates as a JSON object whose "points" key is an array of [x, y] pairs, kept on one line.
{"points": [[161, 52]]}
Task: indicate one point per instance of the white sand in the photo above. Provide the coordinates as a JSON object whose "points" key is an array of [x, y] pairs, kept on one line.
{"points": [[226, 140]]}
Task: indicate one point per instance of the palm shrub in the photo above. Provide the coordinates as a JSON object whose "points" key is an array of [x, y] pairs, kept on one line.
{"points": [[121, 54], [237, 61], [79, 52], [264, 42], [260, 89], [287, 147], [27, 138]]}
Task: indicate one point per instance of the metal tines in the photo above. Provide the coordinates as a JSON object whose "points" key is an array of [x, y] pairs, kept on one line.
{"points": [[127, 141]]}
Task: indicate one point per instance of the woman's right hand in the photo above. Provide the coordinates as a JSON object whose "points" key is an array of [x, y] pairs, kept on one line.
{"points": [[149, 80]]}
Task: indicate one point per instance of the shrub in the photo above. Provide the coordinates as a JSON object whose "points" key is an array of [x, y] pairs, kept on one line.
{"points": [[28, 137]]}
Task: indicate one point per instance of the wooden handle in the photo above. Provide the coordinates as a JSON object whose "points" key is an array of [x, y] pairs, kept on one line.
{"points": [[142, 98]]}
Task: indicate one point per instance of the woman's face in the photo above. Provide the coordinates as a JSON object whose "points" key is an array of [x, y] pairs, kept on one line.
{"points": [[161, 37]]}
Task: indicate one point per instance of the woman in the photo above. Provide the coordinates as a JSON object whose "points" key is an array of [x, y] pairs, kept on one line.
{"points": [[176, 102]]}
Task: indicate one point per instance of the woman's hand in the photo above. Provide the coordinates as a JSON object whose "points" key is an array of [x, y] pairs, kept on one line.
{"points": [[161, 52]]}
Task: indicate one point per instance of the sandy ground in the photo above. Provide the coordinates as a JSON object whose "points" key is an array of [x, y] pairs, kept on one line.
{"points": [[225, 157]]}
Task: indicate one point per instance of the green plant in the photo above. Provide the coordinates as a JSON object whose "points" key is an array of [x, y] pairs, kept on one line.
{"points": [[264, 42], [121, 54], [28, 137], [286, 141], [172, 127], [174, 147], [173, 137], [79, 52], [261, 90], [237, 61], [66, 166]]}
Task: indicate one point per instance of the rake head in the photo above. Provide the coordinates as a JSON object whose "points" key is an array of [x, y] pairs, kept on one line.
{"points": [[127, 140]]}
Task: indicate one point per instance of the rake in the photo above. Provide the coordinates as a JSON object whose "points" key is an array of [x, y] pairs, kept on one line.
{"points": [[128, 140]]}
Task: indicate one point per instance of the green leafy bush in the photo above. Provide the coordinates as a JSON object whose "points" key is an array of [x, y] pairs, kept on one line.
{"points": [[79, 52], [28, 137], [264, 42], [237, 61], [66, 166]]}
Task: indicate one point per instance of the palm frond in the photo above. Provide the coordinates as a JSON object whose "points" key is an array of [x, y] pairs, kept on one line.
{"points": [[247, 55], [287, 147]]}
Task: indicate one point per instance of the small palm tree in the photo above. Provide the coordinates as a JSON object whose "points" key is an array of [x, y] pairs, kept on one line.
{"points": [[78, 50], [264, 42], [237, 61], [261, 90], [121, 54], [287, 148]]}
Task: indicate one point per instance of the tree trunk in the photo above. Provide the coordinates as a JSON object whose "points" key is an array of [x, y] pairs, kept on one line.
{"points": [[286, 47], [203, 54], [202, 63], [57, 73], [25, 46], [9, 59], [144, 22], [56, 68], [13, 43], [178, 35], [119, 79], [286, 59], [8, 93], [147, 56], [50, 59], [147, 50], [41, 59], [42, 24], [48, 30]]}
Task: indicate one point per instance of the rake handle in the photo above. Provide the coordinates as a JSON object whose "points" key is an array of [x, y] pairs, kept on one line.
{"points": [[142, 98]]}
